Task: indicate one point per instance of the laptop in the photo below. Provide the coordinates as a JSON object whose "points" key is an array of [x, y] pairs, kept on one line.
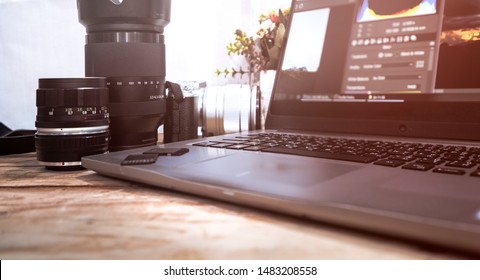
{"points": [[373, 124]]}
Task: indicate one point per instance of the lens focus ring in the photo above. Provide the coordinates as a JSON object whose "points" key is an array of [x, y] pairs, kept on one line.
{"points": [[71, 97]]}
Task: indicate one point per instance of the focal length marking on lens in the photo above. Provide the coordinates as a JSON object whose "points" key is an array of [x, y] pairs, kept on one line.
{"points": [[72, 131], [129, 81], [135, 89]]}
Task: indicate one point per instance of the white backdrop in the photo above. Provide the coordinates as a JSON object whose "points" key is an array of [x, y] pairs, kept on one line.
{"points": [[43, 39]]}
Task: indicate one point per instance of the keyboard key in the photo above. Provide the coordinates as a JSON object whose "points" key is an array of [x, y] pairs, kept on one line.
{"points": [[256, 148], [221, 145], [476, 173], [418, 166], [236, 141], [451, 171], [474, 151], [238, 147], [462, 164], [434, 161], [205, 144], [390, 162], [403, 158]]}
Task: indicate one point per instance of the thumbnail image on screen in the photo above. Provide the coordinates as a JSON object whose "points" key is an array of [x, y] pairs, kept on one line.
{"points": [[459, 62], [372, 10], [304, 51]]}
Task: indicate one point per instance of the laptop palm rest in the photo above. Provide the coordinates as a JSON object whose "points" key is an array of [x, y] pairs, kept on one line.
{"points": [[275, 174]]}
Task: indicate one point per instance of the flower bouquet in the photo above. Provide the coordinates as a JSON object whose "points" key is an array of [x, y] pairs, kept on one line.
{"points": [[262, 49]]}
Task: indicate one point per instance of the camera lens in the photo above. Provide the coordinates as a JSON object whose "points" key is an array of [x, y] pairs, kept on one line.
{"points": [[72, 121], [125, 43]]}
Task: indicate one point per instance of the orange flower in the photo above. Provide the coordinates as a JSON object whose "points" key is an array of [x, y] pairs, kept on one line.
{"points": [[274, 17]]}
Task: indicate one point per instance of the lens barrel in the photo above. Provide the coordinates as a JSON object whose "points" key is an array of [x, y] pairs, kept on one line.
{"points": [[229, 109], [125, 43], [72, 121]]}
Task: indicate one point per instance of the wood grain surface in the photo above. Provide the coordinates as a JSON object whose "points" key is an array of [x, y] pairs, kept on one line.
{"points": [[82, 215]]}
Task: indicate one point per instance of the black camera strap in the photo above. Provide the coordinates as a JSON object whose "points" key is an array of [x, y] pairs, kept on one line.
{"points": [[17, 141], [175, 92]]}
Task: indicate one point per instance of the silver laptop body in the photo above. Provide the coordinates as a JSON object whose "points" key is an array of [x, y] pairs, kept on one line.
{"points": [[403, 76]]}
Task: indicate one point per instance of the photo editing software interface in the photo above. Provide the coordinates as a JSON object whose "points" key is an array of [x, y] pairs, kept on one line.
{"points": [[382, 51]]}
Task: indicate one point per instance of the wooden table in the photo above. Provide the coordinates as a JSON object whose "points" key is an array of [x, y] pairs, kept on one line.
{"points": [[82, 215]]}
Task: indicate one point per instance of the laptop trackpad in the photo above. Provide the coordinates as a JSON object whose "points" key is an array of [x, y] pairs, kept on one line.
{"points": [[268, 172]]}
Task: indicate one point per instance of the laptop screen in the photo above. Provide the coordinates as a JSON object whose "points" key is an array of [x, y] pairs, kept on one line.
{"points": [[416, 60]]}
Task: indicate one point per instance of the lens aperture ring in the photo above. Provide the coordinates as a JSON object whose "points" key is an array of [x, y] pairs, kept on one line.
{"points": [[67, 150], [71, 141]]}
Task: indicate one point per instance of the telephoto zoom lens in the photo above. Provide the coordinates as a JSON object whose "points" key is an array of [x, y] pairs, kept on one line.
{"points": [[125, 43], [72, 121]]}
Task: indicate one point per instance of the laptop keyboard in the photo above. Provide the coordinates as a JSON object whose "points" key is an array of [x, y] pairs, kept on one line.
{"points": [[455, 160]]}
